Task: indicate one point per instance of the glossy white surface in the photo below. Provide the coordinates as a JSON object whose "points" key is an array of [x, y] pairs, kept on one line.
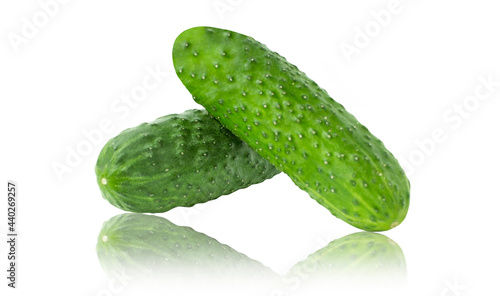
{"points": [[413, 81]]}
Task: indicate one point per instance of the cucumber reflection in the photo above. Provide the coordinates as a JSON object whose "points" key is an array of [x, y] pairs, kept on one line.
{"points": [[363, 262], [147, 247]]}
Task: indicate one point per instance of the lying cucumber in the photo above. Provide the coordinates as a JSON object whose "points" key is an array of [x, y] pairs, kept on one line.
{"points": [[150, 247], [289, 120], [176, 160]]}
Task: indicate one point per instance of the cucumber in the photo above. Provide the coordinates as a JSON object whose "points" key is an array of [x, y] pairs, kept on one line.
{"points": [[150, 247], [359, 255], [289, 120], [362, 260], [176, 160]]}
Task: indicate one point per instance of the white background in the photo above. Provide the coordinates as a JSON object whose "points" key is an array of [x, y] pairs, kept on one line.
{"points": [[405, 82]]}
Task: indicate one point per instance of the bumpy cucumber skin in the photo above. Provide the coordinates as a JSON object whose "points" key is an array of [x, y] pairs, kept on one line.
{"points": [[288, 119], [176, 160], [146, 246]]}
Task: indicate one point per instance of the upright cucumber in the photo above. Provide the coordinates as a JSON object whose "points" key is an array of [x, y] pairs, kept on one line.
{"points": [[176, 160], [288, 119]]}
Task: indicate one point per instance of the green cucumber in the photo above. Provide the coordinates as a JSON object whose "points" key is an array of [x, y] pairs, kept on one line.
{"points": [[146, 246], [362, 254], [289, 120], [176, 160], [362, 260]]}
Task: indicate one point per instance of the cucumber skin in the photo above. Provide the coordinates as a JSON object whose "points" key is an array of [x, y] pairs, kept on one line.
{"points": [[289, 120], [176, 160]]}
